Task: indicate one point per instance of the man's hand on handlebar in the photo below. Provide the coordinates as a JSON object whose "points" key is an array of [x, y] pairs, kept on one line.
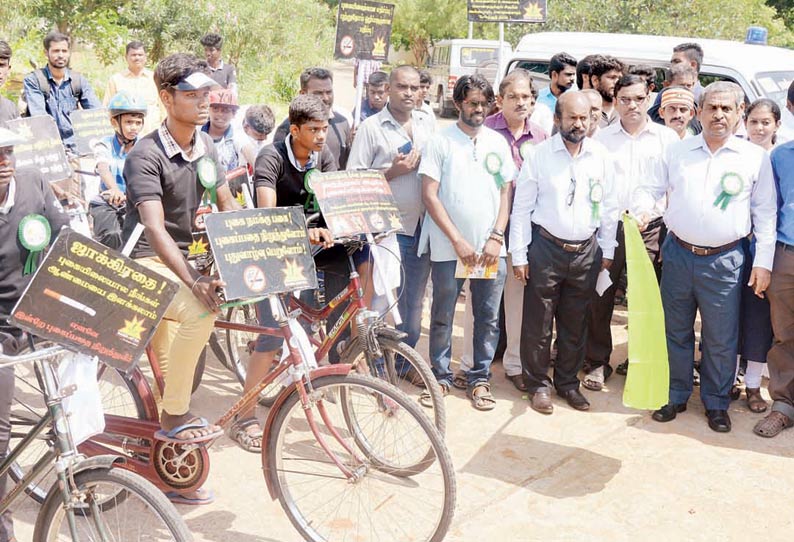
{"points": [[321, 236], [206, 290]]}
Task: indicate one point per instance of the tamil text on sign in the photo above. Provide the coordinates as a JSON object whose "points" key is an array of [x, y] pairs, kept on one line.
{"points": [[42, 149], [507, 11], [90, 125], [363, 30]]}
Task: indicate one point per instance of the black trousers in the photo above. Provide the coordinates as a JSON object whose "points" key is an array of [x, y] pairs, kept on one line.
{"points": [[559, 288], [599, 331], [107, 222]]}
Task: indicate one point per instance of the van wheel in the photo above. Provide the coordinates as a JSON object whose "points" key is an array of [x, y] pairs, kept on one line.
{"points": [[442, 110]]}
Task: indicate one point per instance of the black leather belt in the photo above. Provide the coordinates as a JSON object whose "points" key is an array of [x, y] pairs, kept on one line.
{"points": [[567, 246], [705, 251], [784, 246]]}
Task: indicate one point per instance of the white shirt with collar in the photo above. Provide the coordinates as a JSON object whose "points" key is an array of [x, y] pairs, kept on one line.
{"points": [[375, 147], [636, 158], [467, 190], [542, 195], [692, 177]]}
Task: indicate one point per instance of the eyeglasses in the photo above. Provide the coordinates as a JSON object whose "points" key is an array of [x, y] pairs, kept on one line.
{"points": [[476, 105], [571, 192], [627, 100]]}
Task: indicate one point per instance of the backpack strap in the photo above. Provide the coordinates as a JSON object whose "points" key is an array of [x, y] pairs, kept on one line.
{"points": [[76, 82], [44, 83]]}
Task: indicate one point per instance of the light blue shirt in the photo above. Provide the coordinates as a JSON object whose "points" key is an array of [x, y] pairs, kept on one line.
{"points": [[468, 192], [547, 98], [783, 170]]}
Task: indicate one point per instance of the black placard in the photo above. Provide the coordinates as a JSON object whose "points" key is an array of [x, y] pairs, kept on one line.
{"points": [[356, 202], [90, 125], [363, 30], [43, 149], [507, 11], [94, 300], [262, 251]]}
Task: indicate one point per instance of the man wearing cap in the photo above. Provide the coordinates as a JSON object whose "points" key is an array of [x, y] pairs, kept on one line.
{"points": [[23, 193], [8, 110], [223, 107], [720, 189], [636, 146], [170, 174], [677, 109]]}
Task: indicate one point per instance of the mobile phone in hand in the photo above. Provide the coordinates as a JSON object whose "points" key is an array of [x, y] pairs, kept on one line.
{"points": [[405, 149]]}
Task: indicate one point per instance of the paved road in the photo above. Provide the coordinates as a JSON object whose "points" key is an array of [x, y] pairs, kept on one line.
{"points": [[609, 474]]}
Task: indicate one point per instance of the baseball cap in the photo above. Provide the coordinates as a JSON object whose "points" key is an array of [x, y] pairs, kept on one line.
{"points": [[196, 81], [9, 138]]}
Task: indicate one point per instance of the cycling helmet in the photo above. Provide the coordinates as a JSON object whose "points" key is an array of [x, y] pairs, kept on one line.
{"points": [[125, 103]]}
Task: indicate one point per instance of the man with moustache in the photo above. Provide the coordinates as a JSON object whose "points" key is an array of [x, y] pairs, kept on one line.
{"points": [[466, 176], [168, 173], [720, 188], [677, 109], [562, 233], [562, 74], [596, 106], [8, 110], [56, 90], [393, 142], [604, 74], [636, 145], [138, 80]]}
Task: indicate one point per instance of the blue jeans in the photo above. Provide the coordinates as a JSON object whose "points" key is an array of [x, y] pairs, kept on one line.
{"points": [[416, 270], [712, 284], [485, 298]]}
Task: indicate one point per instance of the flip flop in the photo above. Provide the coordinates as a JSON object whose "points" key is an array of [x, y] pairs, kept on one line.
{"points": [[178, 498], [195, 423]]}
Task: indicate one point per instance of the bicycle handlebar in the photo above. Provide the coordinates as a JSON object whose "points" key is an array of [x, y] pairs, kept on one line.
{"points": [[10, 361]]}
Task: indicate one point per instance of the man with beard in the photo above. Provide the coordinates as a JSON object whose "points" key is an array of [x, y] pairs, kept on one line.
{"points": [[720, 188], [636, 146], [562, 233], [604, 73], [56, 90], [466, 176], [562, 74]]}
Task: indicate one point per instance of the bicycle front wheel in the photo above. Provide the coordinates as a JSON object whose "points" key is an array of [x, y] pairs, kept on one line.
{"points": [[374, 503], [112, 505]]}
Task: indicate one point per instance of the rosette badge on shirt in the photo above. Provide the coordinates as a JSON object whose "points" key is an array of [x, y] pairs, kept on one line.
{"points": [[34, 234], [493, 165], [596, 197], [208, 177], [731, 184]]}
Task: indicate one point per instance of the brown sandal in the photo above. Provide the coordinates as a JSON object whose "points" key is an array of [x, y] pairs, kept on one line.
{"points": [[772, 425], [755, 402], [426, 400], [459, 380], [481, 397]]}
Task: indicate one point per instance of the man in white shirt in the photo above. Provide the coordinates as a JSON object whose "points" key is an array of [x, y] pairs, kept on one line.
{"points": [[562, 233], [466, 176], [636, 146], [720, 189]]}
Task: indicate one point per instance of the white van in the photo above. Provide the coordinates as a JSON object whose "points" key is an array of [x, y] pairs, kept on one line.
{"points": [[451, 59], [762, 71]]}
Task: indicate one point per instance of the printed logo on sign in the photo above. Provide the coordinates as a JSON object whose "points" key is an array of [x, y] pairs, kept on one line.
{"points": [[346, 45], [132, 330], [254, 278]]}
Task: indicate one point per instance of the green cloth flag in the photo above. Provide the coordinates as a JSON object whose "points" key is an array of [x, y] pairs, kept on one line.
{"points": [[648, 380]]}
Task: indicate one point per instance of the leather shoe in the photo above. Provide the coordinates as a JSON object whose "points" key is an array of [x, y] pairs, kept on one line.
{"points": [[719, 420], [540, 401], [518, 381], [668, 412], [575, 399]]}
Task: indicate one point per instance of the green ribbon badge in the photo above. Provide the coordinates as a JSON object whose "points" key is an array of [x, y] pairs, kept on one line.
{"points": [[596, 197], [208, 177], [311, 205], [34, 234], [732, 184], [493, 165]]}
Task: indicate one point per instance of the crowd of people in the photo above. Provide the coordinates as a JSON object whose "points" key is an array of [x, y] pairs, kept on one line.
{"points": [[531, 184]]}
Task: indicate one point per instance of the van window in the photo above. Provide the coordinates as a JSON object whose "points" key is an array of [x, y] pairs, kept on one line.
{"points": [[540, 68], [474, 56], [775, 85]]}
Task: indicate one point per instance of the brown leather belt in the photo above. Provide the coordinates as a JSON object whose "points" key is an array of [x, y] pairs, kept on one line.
{"points": [[567, 246], [704, 251]]}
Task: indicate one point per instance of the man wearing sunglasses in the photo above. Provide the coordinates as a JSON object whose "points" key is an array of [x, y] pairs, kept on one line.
{"points": [[562, 233]]}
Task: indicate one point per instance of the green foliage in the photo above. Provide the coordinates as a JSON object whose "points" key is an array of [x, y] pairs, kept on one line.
{"points": [[418, 22], [721, 19], [166, 26]]}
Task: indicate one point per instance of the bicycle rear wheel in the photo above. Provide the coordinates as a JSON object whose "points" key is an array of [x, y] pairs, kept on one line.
{"points": [[378, 504], [113, 505]]}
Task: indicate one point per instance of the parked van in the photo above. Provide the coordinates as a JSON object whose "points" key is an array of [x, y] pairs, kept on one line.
{"points": [[451, 59], [762, 71]]}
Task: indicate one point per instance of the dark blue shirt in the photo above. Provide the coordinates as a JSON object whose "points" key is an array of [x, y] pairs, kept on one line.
{"points": [[61, 102], [783, 170]]}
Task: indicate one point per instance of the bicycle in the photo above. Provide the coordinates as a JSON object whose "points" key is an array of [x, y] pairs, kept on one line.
{"points": [[92, 499], [377, 344]]}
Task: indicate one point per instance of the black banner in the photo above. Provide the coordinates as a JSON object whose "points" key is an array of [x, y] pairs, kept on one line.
{"points": [[507, 11], [262, 251], [94, 300], [363, 30], [90, 125], [43, 150], [356, 202]]}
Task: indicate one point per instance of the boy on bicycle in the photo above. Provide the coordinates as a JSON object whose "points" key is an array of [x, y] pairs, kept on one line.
{"points": [[23, 193]]}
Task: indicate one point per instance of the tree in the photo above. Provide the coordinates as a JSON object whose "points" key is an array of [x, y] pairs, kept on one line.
{"points": [[417, 23]]}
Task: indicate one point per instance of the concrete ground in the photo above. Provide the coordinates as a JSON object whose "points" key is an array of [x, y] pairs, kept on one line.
{"points": [[611, 474]]}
